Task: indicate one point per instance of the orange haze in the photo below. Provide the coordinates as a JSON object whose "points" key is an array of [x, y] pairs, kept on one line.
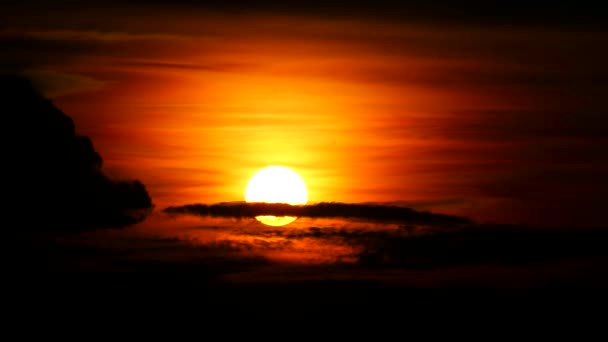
{"points": [[364, 111]]}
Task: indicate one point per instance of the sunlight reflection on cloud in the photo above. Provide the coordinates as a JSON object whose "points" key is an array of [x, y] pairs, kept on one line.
{"points": [[306, 241]]}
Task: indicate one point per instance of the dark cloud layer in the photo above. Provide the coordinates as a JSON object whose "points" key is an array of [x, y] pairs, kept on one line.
{"points": [[479, 245], [55, 178], [442, 11], [331, 209], [488, 256]]}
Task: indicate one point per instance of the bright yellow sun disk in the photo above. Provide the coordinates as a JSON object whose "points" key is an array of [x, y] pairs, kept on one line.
{"points": [[276, 184]]}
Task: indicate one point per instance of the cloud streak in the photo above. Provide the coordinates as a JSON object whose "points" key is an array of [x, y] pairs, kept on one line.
{"points": [[319, 210], [87, 35]]}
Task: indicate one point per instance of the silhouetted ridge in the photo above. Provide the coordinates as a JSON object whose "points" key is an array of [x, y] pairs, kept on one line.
{"points": [[55, 176], [326, 209]]}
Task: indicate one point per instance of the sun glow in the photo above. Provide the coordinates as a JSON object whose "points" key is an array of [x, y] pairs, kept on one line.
{"points": [[276, 184]]}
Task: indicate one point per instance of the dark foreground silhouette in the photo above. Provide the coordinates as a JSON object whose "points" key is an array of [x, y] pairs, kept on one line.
{"points": [[55, 179]]}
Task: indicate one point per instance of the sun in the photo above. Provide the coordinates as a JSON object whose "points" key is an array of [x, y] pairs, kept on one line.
{"points": [[276, 184]]}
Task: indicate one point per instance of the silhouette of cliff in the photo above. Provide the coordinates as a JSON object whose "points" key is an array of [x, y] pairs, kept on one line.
{"points": [[54, 176]]}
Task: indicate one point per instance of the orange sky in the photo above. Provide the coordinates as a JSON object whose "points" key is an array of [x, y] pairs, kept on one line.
{"points": [[198, 129], [363, 110]]}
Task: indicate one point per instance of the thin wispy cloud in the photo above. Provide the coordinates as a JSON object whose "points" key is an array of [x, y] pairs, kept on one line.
{"points": [[87, 35]]}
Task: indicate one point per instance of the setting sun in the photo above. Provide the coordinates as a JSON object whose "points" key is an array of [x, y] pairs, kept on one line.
{"points": [[276, 184]]}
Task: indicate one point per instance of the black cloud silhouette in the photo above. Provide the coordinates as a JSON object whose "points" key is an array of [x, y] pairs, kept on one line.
{"points": [[325, 209], [477, 245], [55, 179]]}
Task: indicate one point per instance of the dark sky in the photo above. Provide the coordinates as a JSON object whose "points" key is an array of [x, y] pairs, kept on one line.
{"points": [[581, 14]]}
